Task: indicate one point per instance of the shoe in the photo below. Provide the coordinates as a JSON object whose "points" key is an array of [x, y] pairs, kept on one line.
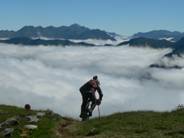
{"points": [[81, 115]]}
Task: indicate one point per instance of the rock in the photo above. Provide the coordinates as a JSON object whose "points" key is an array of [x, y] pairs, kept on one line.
{"points": [[93, 132], [31, 126], [7, 132], [10, 122], [3, 124], [32, 118], [27, 106], [40, 114]]}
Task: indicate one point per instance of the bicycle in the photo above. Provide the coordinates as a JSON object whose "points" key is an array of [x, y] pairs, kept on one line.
{"points": [[89, 108]]}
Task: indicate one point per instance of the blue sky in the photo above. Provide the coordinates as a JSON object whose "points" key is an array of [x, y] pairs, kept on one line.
{"points": [[121, 16]]}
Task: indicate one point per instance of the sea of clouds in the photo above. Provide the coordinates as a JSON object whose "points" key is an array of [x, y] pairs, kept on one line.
{"points": [[49, 77]]}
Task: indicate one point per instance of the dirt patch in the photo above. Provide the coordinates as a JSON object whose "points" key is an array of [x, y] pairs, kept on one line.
{"points": [[65, 128]]}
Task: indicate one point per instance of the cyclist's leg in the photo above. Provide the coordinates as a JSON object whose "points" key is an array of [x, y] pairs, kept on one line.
{"points": [[86, 111], [84, 103], [93, 104]]}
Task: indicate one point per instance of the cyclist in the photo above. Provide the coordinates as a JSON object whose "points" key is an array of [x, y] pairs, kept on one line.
{"points": [[88, 91]]}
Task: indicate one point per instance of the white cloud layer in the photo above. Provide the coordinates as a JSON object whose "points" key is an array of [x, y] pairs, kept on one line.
{"points": [[49, 77]]}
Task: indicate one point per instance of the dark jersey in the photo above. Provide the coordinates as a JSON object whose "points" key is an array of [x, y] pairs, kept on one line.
{"points": [[86, 87], [92, 86]]}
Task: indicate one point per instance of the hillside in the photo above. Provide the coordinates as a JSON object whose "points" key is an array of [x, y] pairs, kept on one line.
{"points": [[13, 120], [143, 124], [129, 125]]}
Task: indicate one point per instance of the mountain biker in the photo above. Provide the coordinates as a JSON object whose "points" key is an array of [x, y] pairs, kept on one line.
{"points": [[88, 94]]}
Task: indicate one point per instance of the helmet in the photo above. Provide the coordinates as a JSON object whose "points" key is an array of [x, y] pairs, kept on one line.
{"points": [[95, 77]]}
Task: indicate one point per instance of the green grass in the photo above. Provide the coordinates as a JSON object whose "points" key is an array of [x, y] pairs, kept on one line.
{"points": [[131, 125], [141, 124]]}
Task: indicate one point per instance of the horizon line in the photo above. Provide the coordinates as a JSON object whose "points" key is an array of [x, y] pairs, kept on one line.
{"points": [[81, 25]]}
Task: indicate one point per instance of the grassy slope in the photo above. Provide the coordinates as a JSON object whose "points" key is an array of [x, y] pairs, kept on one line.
{"points": [[129, 125], [46, 125], [120, 125]]}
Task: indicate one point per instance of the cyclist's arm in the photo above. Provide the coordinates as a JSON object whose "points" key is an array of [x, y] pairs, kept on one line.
{"points": [[99, 92]]}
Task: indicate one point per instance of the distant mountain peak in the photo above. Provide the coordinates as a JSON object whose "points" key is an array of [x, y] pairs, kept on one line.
{"points": [[75, 25]]}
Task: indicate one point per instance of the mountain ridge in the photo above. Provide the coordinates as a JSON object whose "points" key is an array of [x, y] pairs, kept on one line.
{"points": [[74, 31], [160, 34], [35, 42], [147, 42]]}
